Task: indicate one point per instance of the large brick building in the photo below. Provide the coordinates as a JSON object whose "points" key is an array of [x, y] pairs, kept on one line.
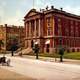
{"points": [[52, 28], [8, 33]]}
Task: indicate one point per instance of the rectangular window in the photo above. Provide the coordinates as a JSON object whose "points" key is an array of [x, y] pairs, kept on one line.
{"points": [[49, 31], [48, 21], [32, 27], [37, 27], [76, 30], [49, 27], [59, 26]]}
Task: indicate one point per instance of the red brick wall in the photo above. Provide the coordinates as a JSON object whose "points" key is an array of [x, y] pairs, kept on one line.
{"points": [[56, 26]]}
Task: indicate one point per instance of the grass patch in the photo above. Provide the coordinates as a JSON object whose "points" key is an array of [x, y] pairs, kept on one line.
{"points": [[73, 55], [52, 55]]}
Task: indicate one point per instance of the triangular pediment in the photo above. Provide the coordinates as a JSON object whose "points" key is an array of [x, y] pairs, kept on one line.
{"points": [[32, 12]]}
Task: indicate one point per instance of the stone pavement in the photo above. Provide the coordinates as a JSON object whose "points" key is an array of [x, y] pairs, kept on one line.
{"points": [[49, 59]]}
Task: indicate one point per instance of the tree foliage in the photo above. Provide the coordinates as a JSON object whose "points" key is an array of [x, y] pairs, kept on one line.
{"points": [[1, 44]]}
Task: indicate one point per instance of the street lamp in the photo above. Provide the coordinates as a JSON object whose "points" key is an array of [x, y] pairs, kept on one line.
{"points": [[36, 49], [20, 42], [61, 50]]}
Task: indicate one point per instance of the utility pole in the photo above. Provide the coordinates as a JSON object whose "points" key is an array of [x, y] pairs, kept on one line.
{"points": [[33, 4], [61, 50], [20, 41]]}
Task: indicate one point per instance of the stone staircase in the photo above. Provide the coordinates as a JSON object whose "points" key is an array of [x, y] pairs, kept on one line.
{"points": [[25, 51]]}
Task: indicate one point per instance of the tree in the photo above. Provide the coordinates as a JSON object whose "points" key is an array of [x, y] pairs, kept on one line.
{"points": [[14, 46], [1, 43]]}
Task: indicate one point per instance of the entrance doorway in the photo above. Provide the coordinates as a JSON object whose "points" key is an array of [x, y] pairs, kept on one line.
{"points": [[47, 48]]}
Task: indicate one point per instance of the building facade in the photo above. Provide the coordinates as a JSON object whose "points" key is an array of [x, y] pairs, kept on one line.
{"points": [[2, 36], [8, 33], [52, 28]]}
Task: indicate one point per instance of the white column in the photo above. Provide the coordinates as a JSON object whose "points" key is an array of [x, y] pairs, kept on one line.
{"points": [[29, 28], [35, 28], [26, 25], [39, 28], [29, 43], [26, 29], [53, 26]]}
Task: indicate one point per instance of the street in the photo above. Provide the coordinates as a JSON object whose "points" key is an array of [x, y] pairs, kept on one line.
{"points": [[42, 70]]}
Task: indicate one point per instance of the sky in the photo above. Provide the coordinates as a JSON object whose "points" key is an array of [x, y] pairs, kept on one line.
{"points": [[12, 12]]}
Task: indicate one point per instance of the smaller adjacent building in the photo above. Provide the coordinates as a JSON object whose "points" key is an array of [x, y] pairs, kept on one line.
{"points": [[3, 36], [10, 34]]}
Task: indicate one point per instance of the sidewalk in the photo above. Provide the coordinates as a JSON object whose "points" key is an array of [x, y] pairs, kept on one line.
{"points": [[49, 59]]}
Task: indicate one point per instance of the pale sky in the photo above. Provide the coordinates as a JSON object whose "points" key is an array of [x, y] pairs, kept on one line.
{"points": [[12, 12]]}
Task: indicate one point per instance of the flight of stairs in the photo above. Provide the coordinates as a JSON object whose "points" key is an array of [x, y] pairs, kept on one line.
{"points": [[25, 51]]}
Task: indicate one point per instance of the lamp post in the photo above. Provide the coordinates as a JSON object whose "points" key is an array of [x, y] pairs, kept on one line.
{"points": [[20, 40], [36, 49], [61, 50]]}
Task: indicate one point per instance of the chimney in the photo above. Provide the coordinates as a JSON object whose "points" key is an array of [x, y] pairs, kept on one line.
{"points": [[5, 25], [47, 7], [61, 9], [52, 7], [40, 10]]}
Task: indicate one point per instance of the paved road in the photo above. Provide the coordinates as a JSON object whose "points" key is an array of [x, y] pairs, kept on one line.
{"points": [[42, 70]]}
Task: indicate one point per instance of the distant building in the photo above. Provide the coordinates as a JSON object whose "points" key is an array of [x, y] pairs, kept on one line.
{"points": [[51, 29], [3, 36], [9, 33]]}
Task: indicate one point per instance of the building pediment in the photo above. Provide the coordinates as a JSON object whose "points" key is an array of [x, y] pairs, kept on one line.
{"points": [[32, 12]]}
